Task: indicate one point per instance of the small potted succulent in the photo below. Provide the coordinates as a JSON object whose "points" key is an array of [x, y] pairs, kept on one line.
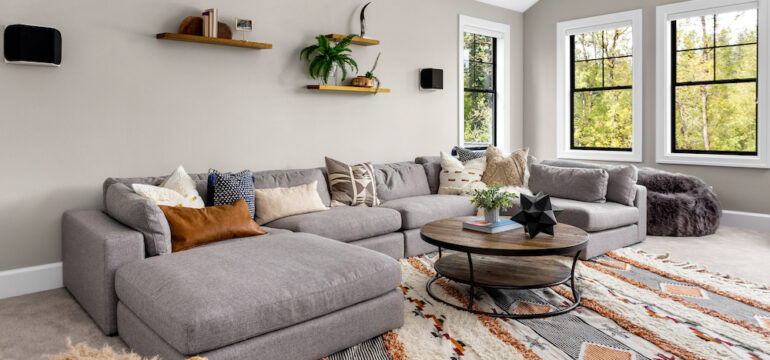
{"points": [[327, 57], [492, 199], [368, 80]]}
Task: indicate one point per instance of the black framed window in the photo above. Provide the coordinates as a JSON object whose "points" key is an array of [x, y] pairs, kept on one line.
{"points": [[714, 83], [480, 84], [601, 73]]}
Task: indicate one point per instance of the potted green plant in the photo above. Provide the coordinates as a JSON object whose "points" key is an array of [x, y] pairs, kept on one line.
{"points": [[326, 57], [492, 199], [368, 80]]}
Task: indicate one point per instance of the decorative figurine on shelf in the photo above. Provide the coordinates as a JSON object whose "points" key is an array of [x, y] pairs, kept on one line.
{"points": [[369, 79], [363, 19], [537, 214]]}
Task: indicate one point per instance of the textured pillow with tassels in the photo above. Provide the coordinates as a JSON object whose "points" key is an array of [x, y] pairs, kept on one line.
{"points": [[351, 185], [459, 178]]}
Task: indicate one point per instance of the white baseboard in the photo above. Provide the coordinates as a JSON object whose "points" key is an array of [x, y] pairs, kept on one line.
{"points": [[749, 220], [30, 279]]}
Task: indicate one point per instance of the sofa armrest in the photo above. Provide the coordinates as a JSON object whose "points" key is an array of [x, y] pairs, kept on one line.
{"points": [[640, 202], [94, 246]]}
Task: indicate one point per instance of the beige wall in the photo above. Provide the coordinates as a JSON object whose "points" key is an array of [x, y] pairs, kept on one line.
{"points": [[738, 188], [125, 104]]}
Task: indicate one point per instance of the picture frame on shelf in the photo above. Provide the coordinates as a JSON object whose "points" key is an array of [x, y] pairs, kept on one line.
{"points": [[243, 24]]}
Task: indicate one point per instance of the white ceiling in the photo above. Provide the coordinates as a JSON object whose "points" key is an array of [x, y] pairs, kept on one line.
{"points": [[515, 5]]}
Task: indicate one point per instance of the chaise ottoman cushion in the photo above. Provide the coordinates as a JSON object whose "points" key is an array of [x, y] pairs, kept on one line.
{"points": [[343, 223], [417, 211], [209, 297], [590, 216]]}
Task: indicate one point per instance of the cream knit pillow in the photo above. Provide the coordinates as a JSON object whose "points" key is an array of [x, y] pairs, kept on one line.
{"points": [[275, 203], [177, 190], [505, 170]]}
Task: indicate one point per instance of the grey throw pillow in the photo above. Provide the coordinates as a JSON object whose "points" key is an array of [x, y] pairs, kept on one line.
{"points": [[621, 185], [400, 180], [588, 185], [140, 214]]}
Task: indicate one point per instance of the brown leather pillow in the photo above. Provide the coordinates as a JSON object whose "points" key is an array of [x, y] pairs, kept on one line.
{"points": [[194, 227]]}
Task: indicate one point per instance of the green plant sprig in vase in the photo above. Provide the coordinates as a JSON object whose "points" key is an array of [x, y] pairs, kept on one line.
{"points": [[326, 55], [492, 199]]}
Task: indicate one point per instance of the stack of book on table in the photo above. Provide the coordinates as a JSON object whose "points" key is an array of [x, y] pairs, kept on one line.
{"points": [[490, 228]]}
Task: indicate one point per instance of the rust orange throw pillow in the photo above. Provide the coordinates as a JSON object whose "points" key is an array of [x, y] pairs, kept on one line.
{"points": [[194, 227]]}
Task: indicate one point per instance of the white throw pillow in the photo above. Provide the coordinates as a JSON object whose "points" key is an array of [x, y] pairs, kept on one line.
{"points": [[177, 190], [275, 203], [159, 195], [458, 177]]}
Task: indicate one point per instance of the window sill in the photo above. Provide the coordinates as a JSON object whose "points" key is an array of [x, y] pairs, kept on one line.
{"points": [[714, 160], [601, 155]]}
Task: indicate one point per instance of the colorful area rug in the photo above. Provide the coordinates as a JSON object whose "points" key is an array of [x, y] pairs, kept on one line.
{"points": [[635, 306]]}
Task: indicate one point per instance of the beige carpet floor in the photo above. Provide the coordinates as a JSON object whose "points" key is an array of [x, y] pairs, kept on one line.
{"points": [[35, 325], [743, 253]]}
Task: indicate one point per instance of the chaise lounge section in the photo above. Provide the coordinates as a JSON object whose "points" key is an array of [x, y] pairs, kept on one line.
{"points": [[222, 298]]}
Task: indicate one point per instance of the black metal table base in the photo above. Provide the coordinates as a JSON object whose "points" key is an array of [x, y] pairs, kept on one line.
{"points": [[472, 283]]}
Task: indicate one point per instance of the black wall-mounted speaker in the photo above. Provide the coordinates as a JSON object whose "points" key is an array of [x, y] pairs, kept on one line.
{"points": [[35, 45], [432, 78]]}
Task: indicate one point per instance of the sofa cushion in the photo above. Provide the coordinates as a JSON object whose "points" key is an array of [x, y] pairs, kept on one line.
{"points": [[275, 203], [196, 227], [621, 184], [201, 183], [288, 178], [460, 177], [262, 180], [590, 216], [417, 211], [177, 190], [432, 167], [209, 297], [226, 188], [343, 223], [352, 185], [588, 185], [399, 180], [140, 214], [505, 169], [464, 154]]}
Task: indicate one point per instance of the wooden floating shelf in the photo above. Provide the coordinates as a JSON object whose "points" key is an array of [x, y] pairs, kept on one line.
{"points": [[356, 40], [212, 40], [347, 88]]}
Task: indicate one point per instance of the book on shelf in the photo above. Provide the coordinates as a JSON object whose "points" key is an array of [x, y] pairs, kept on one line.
{"points": [[210, 22], [206, 31], [491, 228]]}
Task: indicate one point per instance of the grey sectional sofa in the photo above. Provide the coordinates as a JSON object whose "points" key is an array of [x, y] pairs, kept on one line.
{"points": [[315, 284], [300, 292]]}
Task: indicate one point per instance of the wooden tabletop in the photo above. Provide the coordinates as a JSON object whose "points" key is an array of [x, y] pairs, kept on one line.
{"points": [[449, 234]]}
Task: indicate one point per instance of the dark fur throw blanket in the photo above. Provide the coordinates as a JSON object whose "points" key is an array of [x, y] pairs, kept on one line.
{"points": [[678, 204]]}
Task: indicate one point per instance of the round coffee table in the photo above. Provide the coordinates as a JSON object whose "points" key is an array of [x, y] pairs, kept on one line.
{"points": [[505, 260]]}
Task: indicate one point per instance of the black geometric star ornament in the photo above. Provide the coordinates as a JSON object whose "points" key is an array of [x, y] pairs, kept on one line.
{"points": [[537, 214]]}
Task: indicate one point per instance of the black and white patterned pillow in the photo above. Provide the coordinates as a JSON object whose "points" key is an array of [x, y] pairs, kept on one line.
{"points": [[464, 154], [227, 188]]}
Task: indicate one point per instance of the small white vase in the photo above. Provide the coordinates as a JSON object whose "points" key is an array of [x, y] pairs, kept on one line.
{"points": [[492, 215]]}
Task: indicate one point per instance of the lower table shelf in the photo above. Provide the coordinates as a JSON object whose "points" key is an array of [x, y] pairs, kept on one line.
{"points": [[505, 272]]}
